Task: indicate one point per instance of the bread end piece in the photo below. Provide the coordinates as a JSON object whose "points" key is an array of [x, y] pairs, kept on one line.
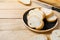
{"points": [[28, 2], [52, 18]]}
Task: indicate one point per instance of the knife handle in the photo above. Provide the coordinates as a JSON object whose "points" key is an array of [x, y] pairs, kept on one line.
{"points": [[56, 9]]}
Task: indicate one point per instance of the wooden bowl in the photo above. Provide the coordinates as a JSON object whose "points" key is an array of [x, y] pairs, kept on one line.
{"points": [[48, 26]]}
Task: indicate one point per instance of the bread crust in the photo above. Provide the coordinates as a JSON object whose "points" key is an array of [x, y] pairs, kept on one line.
{"points": [[51, 21], [50, 15], [41, 26]]}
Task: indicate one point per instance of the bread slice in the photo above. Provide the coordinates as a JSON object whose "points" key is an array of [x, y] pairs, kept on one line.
{"points": [[34, 22], [48, 12], [52, 18], [55, 35], [37, 13], [26, 2], [39, 10], [41, 25], [39, 37]]}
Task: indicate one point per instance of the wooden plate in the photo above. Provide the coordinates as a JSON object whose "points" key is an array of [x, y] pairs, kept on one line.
{"points": [[48, 26]]}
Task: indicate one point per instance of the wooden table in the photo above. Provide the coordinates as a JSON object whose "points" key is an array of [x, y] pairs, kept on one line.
{"points": [[12, 26]]}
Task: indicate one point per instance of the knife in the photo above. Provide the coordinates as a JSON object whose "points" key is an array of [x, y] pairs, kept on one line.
{"points": [[47, 6]]}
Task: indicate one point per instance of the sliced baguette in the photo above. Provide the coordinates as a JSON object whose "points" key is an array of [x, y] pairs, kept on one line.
{"points": [[39, 10], [25, 2], [55, 35], [48, 12], [41, 25], [34, 22], [37, 13], [52, 18]]}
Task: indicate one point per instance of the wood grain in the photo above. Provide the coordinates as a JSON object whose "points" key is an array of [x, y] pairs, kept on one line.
{"points": [[16, 5], [11, 13], [14, 9], [12, 26], [18, 24], [17, 35]]}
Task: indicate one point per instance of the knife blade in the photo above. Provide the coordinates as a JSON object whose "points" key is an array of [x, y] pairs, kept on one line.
{"points": [[47, 6]]}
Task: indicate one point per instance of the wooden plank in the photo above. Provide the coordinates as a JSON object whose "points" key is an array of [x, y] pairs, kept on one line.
{"points": [[11, 5], [8, 0], [11, 13], [14, 10], [17, 35], [16, 5], [12, 24]]}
